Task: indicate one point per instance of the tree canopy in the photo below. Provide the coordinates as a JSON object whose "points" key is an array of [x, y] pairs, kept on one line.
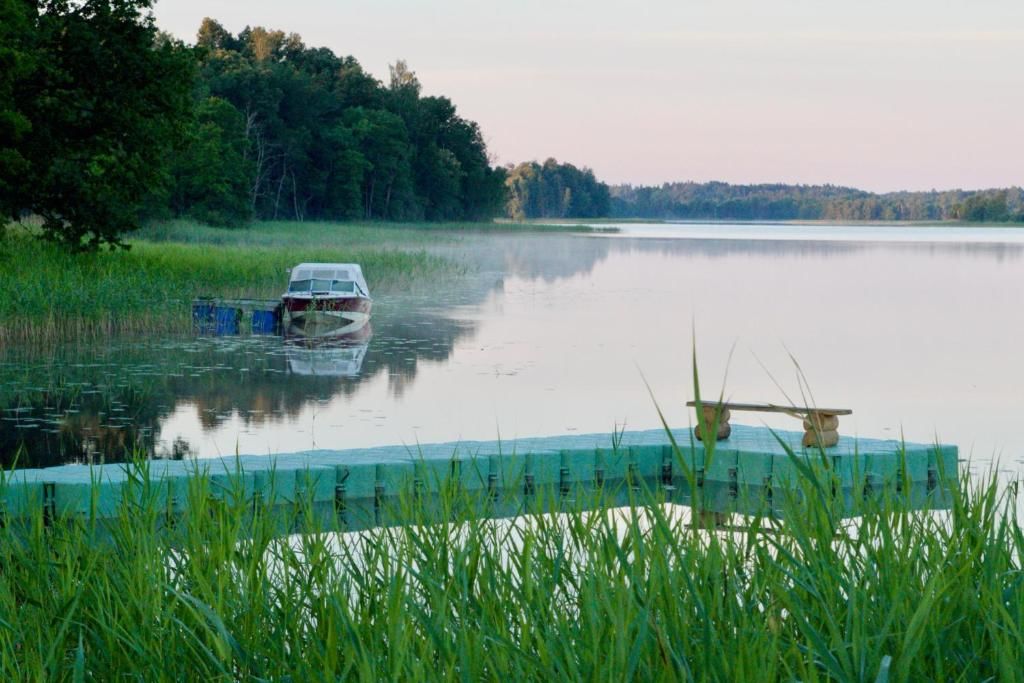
{"points": [[91, 100], [312, 135], [105, 121], [554, 190]]}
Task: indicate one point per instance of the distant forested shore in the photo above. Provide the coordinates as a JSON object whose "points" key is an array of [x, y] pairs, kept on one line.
{"points": [[561, 190], [724, 201]]}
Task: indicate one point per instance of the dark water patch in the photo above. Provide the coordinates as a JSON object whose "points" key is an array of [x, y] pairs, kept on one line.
{"points": [[108, 402]]}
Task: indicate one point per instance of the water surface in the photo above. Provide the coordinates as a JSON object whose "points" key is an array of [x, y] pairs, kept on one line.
{"points": [[918, 330]]}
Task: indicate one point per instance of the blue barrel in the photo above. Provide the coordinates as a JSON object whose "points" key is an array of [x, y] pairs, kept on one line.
{"points": [[227, 321], [202, 311], [264, 322]]}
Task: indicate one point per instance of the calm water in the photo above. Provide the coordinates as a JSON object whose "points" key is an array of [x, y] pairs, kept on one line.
{"points": [[918, 330]]}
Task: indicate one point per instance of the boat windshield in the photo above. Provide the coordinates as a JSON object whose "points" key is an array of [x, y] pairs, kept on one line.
{"points": [[321, 286], [343, 286]]}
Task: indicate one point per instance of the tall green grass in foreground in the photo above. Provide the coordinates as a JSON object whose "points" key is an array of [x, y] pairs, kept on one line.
{"points": [[633, 593], [48, 294]]}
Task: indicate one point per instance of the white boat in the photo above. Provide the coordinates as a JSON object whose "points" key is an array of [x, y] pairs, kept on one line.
{"points": [[326, 299]]}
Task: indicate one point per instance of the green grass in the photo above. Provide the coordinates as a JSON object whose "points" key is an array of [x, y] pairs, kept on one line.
{"points": [[48, 294], [635, 593], [290, 233]]}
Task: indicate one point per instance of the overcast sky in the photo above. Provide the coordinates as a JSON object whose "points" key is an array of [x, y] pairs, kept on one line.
{"points": [[901, 94]]}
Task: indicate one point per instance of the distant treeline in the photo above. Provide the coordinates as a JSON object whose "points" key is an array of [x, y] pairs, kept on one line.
{"points": [[717, 200], [554, 190]]}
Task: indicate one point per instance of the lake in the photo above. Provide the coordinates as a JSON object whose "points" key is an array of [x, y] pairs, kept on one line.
{"points": [[917, 329]]}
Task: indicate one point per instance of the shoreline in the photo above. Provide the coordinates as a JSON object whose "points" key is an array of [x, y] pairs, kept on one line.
{"points": [[851, 223], [50, 295]]}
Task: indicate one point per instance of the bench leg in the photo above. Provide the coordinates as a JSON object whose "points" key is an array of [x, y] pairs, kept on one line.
{"points": [[708, 519], [711, 415], [820, 430]]}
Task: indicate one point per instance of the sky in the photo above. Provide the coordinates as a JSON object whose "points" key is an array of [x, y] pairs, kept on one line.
{"points": [[901, 94]]}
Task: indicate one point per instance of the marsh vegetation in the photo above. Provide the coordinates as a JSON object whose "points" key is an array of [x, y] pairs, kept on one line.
{"points": [[50, 294], [635, 592]]}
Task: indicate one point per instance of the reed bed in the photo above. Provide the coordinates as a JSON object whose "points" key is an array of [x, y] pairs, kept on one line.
{"points": [[627, 593], [47, 294], [279, 233]]}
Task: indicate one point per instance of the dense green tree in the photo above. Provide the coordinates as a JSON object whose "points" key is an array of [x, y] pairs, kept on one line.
{"points": [[554, 190], [15, 65], [383, 141], [452, 175], [105, 100], [985, 207], [211, 172], [326, 140], [521, 181], [345, 169]]}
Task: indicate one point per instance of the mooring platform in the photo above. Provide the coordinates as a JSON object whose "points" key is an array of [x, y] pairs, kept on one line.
{"points": [[220, 317], [748, 472]]}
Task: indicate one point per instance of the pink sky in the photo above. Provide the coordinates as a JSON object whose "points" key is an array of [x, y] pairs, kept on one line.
{"points": [[878, 95]]}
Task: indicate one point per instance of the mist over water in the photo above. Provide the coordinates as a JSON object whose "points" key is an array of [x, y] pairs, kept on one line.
{"points": [[554, 333]]}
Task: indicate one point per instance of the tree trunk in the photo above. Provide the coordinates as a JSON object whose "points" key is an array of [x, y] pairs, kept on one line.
{"points": [[255, 137], [295, 199], [369, 199], [280, 186]]}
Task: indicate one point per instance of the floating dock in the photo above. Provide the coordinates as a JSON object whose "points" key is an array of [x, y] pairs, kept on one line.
{"points": [[750, 472], [233, 316]]}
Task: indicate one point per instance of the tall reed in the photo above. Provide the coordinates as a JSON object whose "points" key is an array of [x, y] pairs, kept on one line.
{"points": [[614, 593], [47, 294]]}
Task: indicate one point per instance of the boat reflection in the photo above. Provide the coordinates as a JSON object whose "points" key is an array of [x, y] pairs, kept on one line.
{"points": [[328, 356]]}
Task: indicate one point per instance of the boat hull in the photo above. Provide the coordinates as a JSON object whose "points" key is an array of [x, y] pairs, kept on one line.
{"points": [[325, 316]]}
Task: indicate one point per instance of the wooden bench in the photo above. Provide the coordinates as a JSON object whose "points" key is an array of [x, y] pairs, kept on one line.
{"points": [[821, 425]]}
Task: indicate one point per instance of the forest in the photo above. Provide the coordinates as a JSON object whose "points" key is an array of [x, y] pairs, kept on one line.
{"points": [[107, 122], [554, 190], [283, 131], [718, 201]]}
